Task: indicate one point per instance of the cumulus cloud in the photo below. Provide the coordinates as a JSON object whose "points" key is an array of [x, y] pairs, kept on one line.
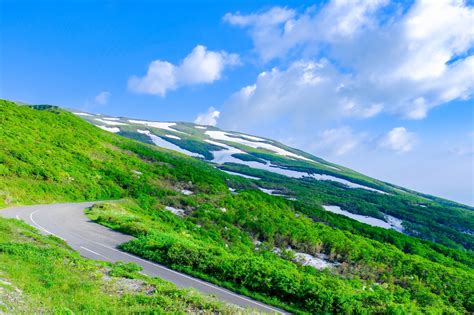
{"points": [[398, 139], [278, 30], [200, 66], [102, 98], [305, 92], [405, 65], [208, 118]]}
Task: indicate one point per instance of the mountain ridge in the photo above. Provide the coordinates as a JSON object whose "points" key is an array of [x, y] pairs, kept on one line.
{"points": [[282, 145]]}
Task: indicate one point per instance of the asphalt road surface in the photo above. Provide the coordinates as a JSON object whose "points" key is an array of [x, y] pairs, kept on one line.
{"points": [[68, 222]]}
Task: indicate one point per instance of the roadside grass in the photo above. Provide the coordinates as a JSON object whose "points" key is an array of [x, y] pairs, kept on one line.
{"points": [[41, 274], [219, 247]]}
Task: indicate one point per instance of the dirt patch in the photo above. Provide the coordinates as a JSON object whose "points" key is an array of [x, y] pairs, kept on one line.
{"points": [[122, 286]]}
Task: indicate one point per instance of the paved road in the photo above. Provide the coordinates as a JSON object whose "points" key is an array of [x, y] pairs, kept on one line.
{"points": [[68, 222]]}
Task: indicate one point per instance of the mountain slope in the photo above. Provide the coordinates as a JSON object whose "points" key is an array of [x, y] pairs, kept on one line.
{"points": [[280, 170], [192, 217]]}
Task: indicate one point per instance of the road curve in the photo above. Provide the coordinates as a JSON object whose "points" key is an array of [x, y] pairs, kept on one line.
{"points": [[68, 222]]}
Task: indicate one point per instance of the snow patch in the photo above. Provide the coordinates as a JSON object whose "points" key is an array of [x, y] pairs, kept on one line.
{"points": [[167, 145], [241, 175], [175, 211], [156, 124], [111, 118], [110, 129], [173, 137], [225, 156], [200, 127], [109, 122], [223, 136], [392, 222], [250, 137], [345, 182], [321, 262], [82, 114], [273, 192]]}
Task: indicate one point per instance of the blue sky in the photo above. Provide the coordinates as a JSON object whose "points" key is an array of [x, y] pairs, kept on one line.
{"points": [[382, 87]]}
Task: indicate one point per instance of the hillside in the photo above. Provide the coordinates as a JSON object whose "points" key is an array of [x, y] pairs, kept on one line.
{"points": [[188, 214], [313, 182]]}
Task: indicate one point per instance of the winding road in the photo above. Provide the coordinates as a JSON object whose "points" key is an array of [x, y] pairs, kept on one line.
{"points": [[68, 222]]}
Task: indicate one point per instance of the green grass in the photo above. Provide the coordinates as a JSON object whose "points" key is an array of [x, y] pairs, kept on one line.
{"points": [[46, 276], [426, 217], [51, 155], [219, 248]]}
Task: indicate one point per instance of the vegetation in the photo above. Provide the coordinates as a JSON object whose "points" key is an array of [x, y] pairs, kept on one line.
{"points": [[247, 241], [41, 274], [424, 216]]}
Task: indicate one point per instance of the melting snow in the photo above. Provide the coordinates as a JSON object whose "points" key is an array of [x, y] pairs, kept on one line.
{"points": [[223, 136], [200, 127], [320, 262], [344, 181], [392, 222], [110, 118], [272, 192], [109, 122], [225, 156], [176, 211], [156, 124], [165, 144], [241, 175], [250, 137], [173, 137], [110, 129], [82, 114], [186, 192]]}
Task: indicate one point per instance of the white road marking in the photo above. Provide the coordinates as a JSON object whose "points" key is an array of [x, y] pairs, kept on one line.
{"points": [[91, 251], [191, 278], [42, 228], [161, 267]]}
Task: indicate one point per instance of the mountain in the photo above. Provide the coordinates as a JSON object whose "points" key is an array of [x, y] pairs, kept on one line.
{"points": [[278, 228], [279, 170]]}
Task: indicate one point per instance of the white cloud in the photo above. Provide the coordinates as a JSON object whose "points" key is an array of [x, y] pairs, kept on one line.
{"points": [[398, 139], [278, 30], [305, 93], [200, 66], [160, 77], [405, 65], [337, 141], [208, 118], [102, 98], [274, 16]]}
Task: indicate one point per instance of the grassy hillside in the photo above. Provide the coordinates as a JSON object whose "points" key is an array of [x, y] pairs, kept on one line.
{"points": [[422, 216], [247, 241], [50, 156]]}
